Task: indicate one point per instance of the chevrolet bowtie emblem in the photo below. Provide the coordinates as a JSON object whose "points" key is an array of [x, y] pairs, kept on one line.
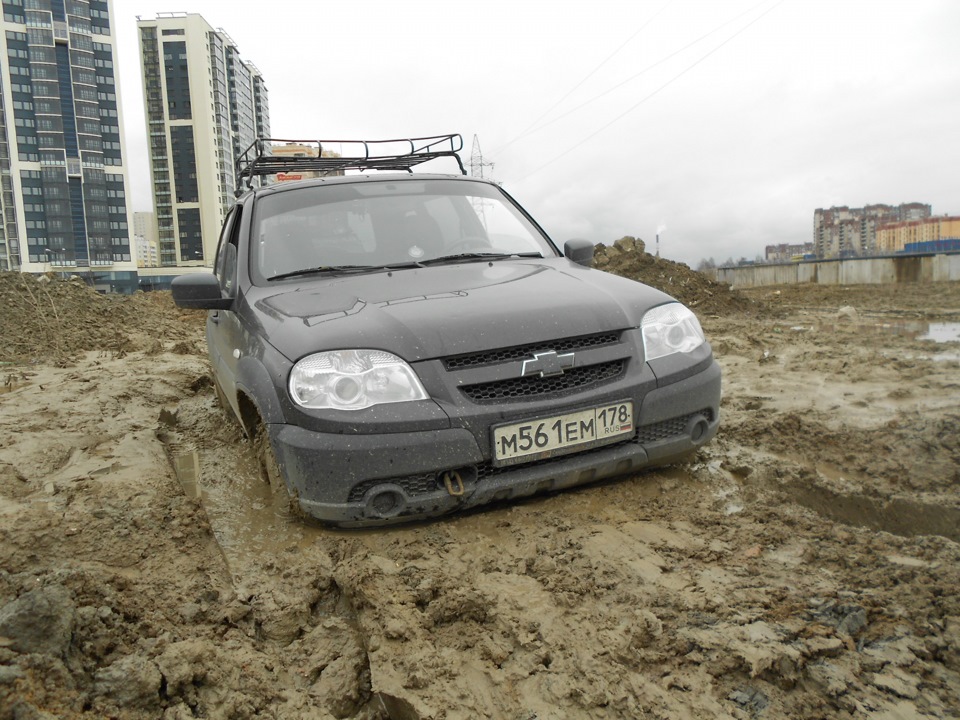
{"points": [[546, 364]]}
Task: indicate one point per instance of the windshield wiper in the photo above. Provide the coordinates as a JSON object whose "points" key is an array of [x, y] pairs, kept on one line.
{"points": [[469, 257], [459, 257], [325, 269], [403, 265]]}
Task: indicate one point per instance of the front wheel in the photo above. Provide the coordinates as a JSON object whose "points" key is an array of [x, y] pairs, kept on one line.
{"points": [[285, 503]]}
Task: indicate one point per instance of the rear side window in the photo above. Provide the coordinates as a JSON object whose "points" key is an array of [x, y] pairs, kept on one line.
{"points": [[226, 266]]}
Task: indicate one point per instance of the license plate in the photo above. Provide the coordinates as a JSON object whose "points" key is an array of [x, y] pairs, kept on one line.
{"points": [[541, 438]]}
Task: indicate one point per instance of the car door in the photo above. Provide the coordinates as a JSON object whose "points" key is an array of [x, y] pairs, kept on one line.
{"points": [[222, 324]]}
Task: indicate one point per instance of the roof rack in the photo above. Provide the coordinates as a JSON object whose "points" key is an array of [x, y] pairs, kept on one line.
{"points": [[399, 155]]}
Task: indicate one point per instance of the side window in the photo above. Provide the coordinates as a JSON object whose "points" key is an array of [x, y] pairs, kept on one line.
{"points": [[226, 266]]}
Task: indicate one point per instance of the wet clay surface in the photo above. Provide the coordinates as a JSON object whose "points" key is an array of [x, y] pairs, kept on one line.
{"points": [[803, 565]]}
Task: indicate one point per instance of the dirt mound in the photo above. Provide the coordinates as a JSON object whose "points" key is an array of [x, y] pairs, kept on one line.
{"points": [[628, 258], [51, 319]]}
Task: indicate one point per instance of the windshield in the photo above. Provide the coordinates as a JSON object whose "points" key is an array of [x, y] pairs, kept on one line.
{"points": [[353, 226]]}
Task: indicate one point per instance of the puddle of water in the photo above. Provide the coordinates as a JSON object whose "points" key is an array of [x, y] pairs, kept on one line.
{"points": [[898, 516], [248, 518], [187, 468], [939, 332], [942, 332]]}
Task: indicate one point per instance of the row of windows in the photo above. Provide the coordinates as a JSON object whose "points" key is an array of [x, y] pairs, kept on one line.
{"points": [[38, 20], [42, 258], [81, 59], [39, 36]]}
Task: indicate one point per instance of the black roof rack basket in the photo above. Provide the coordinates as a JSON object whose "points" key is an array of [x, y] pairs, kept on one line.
{"points": [[397, 155]]}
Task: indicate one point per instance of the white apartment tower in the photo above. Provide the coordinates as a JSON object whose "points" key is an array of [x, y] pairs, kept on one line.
{"points": [[63, 203], [204, 105]]}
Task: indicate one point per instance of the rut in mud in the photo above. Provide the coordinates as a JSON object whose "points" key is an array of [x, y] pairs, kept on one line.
{"points": [[805, 564]]}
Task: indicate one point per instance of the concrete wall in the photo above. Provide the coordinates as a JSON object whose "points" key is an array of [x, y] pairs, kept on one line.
{"points": [[850, 271]]}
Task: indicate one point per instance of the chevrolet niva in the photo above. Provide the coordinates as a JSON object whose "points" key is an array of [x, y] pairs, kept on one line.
{"points": [[402, 345]]}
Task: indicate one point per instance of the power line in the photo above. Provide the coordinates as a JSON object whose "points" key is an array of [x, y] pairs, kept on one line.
{"points": [[589, 75], [645, 70], [652, 94]]}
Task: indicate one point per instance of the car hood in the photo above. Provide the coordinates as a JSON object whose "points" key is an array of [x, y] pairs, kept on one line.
{"points": [[446, 310]]}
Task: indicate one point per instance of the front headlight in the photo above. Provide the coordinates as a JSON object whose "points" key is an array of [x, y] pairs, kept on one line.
{"points": [[669, 329], [353, 380]]}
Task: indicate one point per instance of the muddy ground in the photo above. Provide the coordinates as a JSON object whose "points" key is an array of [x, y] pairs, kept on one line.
{"points": [[803, 565]]}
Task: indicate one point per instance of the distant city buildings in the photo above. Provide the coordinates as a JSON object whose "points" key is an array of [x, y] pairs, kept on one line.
{"points": [[933, 233], [295, 150], [204, 107], [145, 239], [64, 183], [841, 231], [785, 253]]}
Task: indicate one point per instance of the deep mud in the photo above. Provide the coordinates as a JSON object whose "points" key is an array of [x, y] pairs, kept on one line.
{"points": [[803, 565]]}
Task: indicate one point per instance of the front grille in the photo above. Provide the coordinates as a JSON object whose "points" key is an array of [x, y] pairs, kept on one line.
{"points": [[522, 352], [527, 387]]}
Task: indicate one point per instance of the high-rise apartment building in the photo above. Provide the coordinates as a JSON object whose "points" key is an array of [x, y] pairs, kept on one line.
{"points": [[843, 230], [204, 106], [63, 184]]}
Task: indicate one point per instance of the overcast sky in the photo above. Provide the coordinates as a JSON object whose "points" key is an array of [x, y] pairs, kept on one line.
{"points": [[724, 123]]}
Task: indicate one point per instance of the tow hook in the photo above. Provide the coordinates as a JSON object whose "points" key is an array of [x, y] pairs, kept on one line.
{"points": [[453, 483]]}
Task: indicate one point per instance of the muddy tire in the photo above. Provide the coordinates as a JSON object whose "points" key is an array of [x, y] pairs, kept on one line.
{"points": [[271, 474]]}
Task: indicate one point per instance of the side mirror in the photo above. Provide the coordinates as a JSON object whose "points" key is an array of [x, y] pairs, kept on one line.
{"points": [[579, 251], [201, 292]]}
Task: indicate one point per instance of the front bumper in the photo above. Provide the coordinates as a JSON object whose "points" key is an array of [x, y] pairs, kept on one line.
{"points": [[379, 479]]}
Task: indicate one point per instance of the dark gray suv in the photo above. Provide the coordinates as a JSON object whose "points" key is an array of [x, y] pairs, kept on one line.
{"points": [[404, 345]]}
